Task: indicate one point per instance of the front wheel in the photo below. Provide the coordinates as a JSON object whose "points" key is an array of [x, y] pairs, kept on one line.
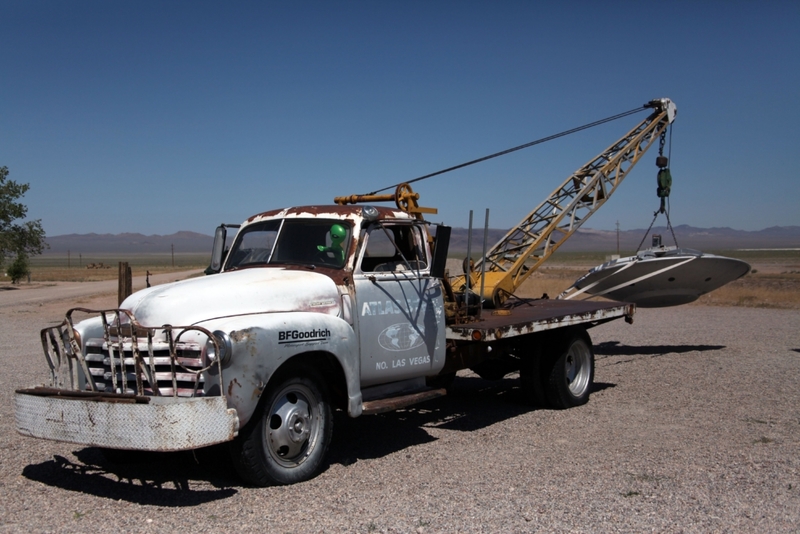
{"points": [[289, 439], [570, 372]]}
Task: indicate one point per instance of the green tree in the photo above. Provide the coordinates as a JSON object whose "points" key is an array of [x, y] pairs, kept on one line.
{"points": [[19, 269], [17, 238]]}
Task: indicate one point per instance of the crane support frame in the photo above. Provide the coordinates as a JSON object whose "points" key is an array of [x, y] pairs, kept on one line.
{"points": [[526, 246]]}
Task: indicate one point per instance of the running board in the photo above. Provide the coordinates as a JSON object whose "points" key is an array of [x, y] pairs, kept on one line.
{"points": [[395, 403]]}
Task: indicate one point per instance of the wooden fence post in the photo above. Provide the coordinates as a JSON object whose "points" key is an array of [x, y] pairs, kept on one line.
{"points": [[125, 284]]}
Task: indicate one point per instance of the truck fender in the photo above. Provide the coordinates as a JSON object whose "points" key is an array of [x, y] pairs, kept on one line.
{"points": [[263, 343]]}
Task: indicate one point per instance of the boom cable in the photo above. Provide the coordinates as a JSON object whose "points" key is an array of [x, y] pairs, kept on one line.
{"points": [[520, 147], [664, 208]]}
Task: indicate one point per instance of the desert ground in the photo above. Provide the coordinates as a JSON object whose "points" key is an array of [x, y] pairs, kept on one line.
{"points": [[693, 426]]}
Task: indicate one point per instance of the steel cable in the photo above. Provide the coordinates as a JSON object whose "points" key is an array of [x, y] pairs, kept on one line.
{"points": [[520, 147]]}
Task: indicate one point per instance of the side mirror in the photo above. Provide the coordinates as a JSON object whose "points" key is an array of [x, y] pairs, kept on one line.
{"points": [[440, 248], [217, 250]]}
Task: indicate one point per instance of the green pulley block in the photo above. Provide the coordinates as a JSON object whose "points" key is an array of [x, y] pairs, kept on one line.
{"points": [[664, 183]]}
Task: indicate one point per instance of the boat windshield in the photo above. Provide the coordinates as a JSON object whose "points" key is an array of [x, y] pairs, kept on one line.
{"points": [[321, 242]]}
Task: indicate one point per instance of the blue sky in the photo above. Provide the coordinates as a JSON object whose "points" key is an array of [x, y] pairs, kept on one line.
{"points": [[156, 117]]}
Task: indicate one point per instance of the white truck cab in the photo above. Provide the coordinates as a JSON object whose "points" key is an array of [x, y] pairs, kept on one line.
{"points": [[310, 307]]}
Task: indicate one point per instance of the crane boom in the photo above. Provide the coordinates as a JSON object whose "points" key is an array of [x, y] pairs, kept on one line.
{"points": [[526, 246]]}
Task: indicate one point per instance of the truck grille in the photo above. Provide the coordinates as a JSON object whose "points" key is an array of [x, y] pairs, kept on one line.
{"points": [[188, 379], [166, 361]]}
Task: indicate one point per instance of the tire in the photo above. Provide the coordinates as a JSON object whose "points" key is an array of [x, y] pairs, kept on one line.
{"points": [[531, 379], [569, 373], [289, 437]]}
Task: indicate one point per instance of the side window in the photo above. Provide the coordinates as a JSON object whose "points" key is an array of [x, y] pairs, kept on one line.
{"points": [[394, 248]]}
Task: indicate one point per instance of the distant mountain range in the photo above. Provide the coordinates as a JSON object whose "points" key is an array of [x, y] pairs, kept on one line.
{"points": [[588, 240], [180, 242], [688, 237]]}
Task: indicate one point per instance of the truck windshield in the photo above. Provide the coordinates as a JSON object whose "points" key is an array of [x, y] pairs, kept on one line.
{"points": [[321, 242]]}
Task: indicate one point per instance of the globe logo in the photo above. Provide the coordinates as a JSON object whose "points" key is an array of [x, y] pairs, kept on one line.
{"points": [[401, 336]]}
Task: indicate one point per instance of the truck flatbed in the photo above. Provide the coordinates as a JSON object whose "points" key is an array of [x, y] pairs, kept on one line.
{"points": [[529, 316]]}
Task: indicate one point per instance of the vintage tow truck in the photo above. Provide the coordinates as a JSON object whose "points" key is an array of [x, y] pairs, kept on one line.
{"points": [[320, 308]]}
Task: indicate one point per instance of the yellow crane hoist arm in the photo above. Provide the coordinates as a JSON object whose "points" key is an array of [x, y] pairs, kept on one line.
{"points": [[526, 246]]}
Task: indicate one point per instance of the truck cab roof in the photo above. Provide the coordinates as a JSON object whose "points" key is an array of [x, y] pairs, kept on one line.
{"points": [[356, 214], [325, 236]]}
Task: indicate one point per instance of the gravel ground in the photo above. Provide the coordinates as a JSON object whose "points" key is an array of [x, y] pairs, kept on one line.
{"points": [[694, 426]]}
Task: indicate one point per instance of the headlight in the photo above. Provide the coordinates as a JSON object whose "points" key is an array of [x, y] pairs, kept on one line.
{"points": [[65, 340], [222, 350]]}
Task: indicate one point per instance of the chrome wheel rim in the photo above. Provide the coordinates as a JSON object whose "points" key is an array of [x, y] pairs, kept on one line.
{"points": [[577, 366], [293, 425]]}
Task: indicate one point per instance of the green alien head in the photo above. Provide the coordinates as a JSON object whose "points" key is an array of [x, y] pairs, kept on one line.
{"points": [[338, 233]]}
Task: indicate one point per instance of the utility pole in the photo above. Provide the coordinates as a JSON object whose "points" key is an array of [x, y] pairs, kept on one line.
{"points": [[173, 254], [617, 238], [68, 265]]}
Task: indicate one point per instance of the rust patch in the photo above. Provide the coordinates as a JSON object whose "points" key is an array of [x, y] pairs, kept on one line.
{"points": [[230, 387], [395, 403], [240, 336], [345, 212], [541, 315], [258, 390], [340, 277], [262, 215]]}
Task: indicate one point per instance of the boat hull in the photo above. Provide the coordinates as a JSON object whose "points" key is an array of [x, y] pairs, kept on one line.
{"points": [[662, 277]]}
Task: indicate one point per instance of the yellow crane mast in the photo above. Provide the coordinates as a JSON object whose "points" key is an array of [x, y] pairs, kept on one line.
{"points": [[526, 246]]}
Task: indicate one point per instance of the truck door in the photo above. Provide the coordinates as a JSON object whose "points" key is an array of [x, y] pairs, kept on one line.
{"points": [[400, 309]]}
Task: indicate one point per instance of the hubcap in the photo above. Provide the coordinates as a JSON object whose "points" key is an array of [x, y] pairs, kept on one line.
{"points": [[293, 425]]}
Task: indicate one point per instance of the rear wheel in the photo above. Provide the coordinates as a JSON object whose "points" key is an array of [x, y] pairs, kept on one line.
{"points": [[290, 436], [569, 371], [531, 372]]}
